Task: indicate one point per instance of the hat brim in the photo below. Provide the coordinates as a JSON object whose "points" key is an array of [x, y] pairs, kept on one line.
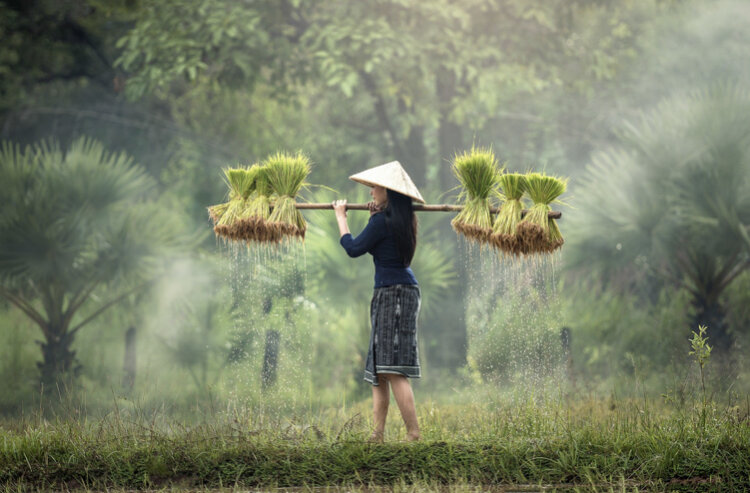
{"points": [[373, 184], [391, 176]]}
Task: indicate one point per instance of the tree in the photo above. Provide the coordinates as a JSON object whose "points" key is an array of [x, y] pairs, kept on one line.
{"points": [[78, 234], [672, 201], [47, 42], [430, 71]]}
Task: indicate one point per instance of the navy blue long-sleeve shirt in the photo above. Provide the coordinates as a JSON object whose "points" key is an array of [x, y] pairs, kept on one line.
{"points": [[377, 240]]}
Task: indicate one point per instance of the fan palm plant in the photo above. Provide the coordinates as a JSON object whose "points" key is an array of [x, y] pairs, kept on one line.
{"points": [[75, 224], [675, 195]]}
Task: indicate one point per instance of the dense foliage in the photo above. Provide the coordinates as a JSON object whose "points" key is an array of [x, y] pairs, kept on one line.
{"points": [[189, 87]]}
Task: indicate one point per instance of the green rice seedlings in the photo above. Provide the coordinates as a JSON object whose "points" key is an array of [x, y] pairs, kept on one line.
{"points": [[216, 211], [246, 220], [258, 211], [537, 233], [504, 230], [240, 182], [478, 172], [286, 173]]}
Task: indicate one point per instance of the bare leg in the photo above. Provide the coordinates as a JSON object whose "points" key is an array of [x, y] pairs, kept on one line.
{"points": [[405, 400], [380, 398]]}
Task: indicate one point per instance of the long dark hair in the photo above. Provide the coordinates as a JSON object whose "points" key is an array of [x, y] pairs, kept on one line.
{"points": [[402, 222]]}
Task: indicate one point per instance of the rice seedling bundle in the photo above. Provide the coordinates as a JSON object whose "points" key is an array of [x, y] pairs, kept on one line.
{"points": [[255, 216], [240, 182], [478, 173], [504, 230], [537, 233], [245, 223], [286, 174]]}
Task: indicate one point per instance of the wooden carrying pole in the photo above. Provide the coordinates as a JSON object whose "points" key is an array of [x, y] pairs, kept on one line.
{"points": [[417, 207]]}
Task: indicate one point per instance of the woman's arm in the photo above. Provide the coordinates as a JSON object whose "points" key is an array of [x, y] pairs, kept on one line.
{"points": [[339, 206], [369, 237]]}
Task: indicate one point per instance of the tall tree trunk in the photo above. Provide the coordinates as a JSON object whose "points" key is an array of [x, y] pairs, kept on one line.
{"points": [[414, 152], [450, 140], [270, 359], [416, 156], [128, 367], [58, 367], [566, 339], [450, 136]]}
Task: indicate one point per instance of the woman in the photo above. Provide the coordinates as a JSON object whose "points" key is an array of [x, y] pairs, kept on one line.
{"points": [[391, 238]]}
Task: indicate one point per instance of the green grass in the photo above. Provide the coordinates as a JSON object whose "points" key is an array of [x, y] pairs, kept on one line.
{"points": [[607, 444]]}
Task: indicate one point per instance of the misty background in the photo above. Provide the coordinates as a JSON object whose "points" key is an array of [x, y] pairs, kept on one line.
{"points": [[118, 117]]}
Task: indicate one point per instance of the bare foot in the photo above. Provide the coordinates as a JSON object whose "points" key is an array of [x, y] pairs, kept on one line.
{"points": [[376, 437], [412, 437]]}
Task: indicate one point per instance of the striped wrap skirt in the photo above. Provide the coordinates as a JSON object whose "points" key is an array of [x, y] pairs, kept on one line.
{"points": [[393, 339]]}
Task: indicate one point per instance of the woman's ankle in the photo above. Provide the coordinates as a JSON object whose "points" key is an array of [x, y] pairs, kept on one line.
{"points": [[376, 436]]}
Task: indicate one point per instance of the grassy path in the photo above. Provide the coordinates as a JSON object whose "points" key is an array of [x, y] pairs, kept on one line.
{"points": [[595, 448]]}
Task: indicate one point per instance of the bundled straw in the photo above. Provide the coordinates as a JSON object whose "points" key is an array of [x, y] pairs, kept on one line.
{"points": [[538, 233], [286, 174], [504, 229], [478, 172], [241, 182]]}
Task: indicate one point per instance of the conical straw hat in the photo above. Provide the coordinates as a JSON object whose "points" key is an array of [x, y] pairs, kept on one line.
{"points": [[392, 176]]}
